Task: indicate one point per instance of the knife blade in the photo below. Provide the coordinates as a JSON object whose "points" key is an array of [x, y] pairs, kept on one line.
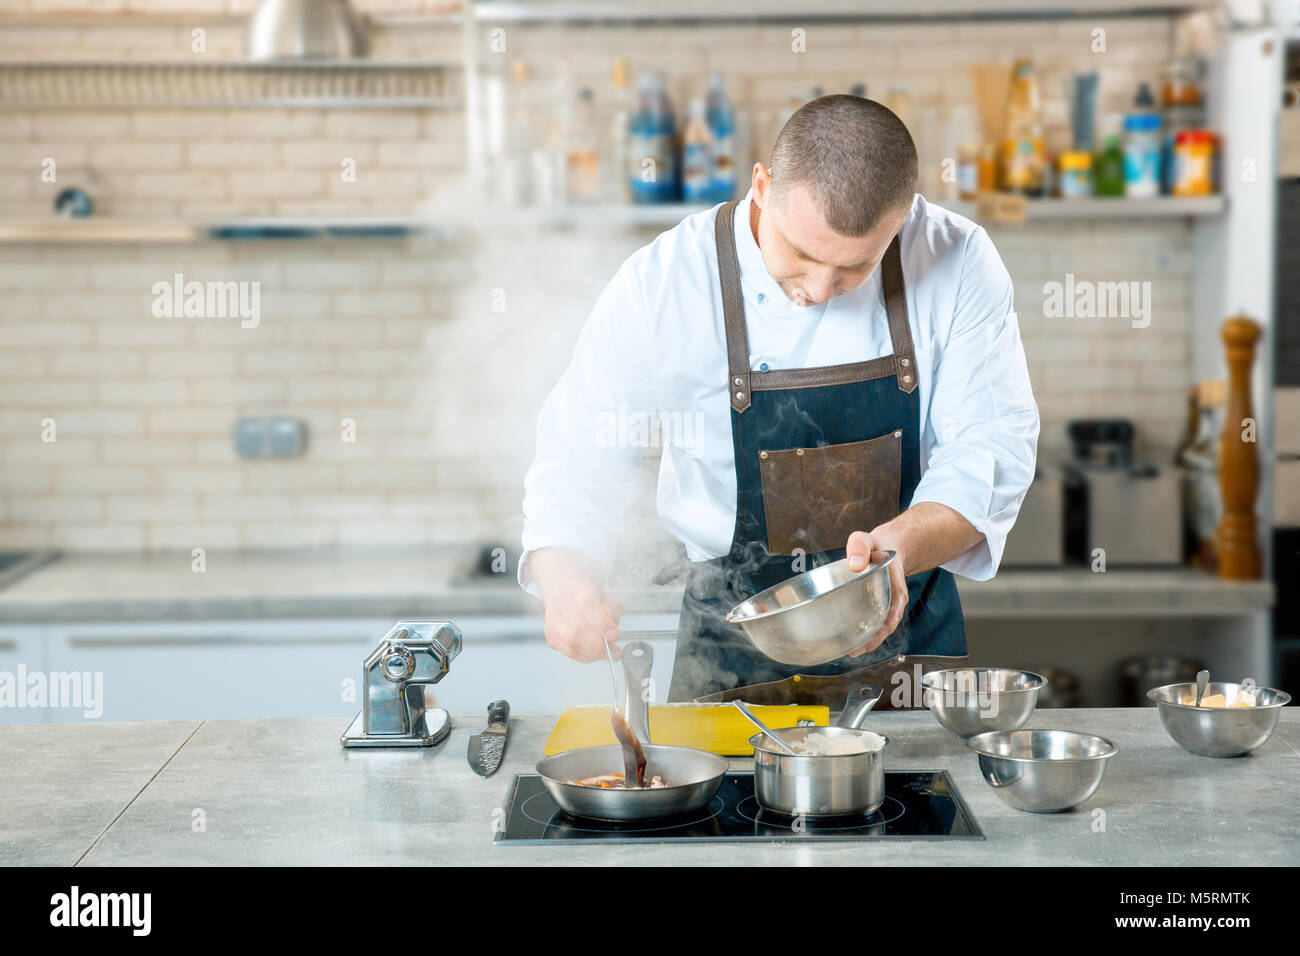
{"points": [[487, 749]]}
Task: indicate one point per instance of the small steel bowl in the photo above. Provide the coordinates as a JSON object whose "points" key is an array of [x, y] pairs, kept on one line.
{"points": [[1042, 771], [818, 616], [972, 700], [1218, 731]]}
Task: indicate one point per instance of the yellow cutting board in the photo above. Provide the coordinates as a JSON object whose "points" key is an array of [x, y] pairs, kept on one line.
{"points": [[718, 728]]}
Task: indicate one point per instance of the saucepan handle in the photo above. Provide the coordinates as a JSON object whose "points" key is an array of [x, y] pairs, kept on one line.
{"points": [[638, 660], [861, 699]]}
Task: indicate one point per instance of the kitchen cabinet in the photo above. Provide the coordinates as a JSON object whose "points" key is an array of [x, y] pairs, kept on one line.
{"points": [[22, 653], [180, 670]]}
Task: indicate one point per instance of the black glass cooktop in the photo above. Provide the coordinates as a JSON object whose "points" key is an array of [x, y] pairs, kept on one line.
{"points": [[919, 805]]}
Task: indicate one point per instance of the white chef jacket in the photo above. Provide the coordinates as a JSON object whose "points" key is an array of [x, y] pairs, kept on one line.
{"points": [[654, 343]]}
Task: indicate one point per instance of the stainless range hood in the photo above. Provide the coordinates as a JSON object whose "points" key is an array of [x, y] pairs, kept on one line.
{"points": [[305, 30]]}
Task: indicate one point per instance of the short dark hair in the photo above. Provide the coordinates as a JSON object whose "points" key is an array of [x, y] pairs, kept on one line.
{"points": [[853, 154]]}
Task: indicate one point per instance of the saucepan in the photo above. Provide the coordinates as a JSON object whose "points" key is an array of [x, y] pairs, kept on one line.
{"points": [[840, 772], [691, 777]]}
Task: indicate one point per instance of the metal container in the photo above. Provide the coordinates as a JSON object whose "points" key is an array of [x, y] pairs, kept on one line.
{"points": [[694, 777], [1042, 771], [1218, 731], [1138, 676], [972, 700], [823, 785], [1038, 538], [818, 616]]}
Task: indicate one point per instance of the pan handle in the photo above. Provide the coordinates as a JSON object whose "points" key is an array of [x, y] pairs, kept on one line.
{"points": [[638, 659], [861, 699]]}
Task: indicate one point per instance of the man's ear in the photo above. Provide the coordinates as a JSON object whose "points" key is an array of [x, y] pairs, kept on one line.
{"points": [[762, 184]]}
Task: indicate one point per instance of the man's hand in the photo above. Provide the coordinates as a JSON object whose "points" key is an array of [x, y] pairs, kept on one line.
{"points": [[580, 617], [923, 537], [864, 547]]}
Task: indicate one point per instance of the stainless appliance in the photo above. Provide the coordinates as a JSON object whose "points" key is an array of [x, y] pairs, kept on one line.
{"points": [[1128, 513], [1038, 537], [412, 655]]}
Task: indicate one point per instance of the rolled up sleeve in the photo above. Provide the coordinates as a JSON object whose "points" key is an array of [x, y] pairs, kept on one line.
{"points": [[589, 447], [981, 440]]}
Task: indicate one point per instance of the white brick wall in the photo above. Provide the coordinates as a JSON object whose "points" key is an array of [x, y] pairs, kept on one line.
{"points": [[398, 336]]}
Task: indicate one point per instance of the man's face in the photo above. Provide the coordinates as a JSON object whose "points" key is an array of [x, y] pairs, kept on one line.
{"points": [[809, 260]]}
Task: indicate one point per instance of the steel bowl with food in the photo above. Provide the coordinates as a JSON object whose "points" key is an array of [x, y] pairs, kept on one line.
{"points": [[973, 700], [834, 771], [1218, 731], [818, 616], [1042, 771]]}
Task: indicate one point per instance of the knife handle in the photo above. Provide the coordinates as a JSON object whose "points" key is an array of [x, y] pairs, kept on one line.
{"points": [[498, 712]]}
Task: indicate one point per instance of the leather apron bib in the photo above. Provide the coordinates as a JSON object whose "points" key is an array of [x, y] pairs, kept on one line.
{"points": [[820, 453]]}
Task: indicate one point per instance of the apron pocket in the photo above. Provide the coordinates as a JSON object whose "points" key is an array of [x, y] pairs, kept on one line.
{"points": [[814, 498]]}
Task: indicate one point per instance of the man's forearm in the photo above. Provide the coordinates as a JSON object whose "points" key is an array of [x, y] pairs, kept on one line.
{"points": [[554, 569], [929, 534]]}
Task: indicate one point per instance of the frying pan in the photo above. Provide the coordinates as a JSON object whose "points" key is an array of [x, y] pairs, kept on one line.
{"points": [[692, 776]]}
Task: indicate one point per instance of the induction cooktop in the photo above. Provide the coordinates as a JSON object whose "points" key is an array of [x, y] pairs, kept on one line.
{"points": [[919, 805]]}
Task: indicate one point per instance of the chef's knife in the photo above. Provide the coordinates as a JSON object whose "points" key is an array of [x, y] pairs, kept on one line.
{"points": [[487, 749]]}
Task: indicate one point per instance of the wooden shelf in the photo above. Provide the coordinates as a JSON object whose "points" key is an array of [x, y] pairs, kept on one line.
{"points": [[1038, 210], [110, 230]]}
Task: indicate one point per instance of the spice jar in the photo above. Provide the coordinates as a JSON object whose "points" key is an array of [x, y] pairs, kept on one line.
{"points": [[1075, 174], [1194, 151]]}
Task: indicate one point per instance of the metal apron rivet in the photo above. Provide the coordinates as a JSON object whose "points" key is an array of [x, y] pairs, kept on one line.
{"points": [[906, 362], [762, 454], [799, 452], [906, 379], [898, 434], [738, 381], [740, 395]]}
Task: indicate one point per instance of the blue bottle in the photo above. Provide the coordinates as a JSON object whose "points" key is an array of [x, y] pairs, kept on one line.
{"points": [[722, 124]]}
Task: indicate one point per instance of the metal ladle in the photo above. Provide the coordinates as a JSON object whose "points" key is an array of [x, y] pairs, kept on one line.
{"points": [[753, 719]]}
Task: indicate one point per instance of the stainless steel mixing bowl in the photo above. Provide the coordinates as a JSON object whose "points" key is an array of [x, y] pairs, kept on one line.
{"points": [[818, 616], [972, 700], [1042, 771], [1218, 731]]}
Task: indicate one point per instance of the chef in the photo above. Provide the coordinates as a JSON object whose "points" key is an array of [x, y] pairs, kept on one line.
{"points": [[848, 366]]}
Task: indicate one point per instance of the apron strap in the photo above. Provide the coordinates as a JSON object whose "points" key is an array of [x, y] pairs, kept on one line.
{"points": [[900, 335], [733, 311], [733, 306]]}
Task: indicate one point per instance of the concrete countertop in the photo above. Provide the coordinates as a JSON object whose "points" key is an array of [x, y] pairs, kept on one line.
{"points": [[401, 583], [285, 792]]}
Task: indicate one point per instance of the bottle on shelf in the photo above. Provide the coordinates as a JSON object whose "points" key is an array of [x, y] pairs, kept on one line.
{"points": [[581, 156], [614, 168], [697, 155], [1142, 147], [653, 144], [1108, 170], [722, 124], [1023, 160]]}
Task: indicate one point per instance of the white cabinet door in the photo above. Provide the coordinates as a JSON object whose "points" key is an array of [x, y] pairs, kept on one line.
{"points": [[205, 669], [22, 666]]}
